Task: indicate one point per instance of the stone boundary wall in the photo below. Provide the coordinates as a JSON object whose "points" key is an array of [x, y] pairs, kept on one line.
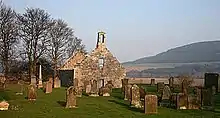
{"points": [[197, 82]]}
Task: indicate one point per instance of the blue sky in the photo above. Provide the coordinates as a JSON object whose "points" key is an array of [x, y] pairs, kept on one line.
{"points": [[135, 28]]}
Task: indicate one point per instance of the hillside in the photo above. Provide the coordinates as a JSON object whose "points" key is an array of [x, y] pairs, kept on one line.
{"points": [[208, 51]]}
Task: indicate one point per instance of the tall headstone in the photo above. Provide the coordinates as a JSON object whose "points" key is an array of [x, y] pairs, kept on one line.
{"points": [[57, 82], [171, 81], [49, 87], [124, 83], [212, 79], [142, 93], [150, 104], [184, 86], [40, 83], [166, 95], [32, 93], [127, 92], [207, 99], [181, 101], [152, 82], [71, 97], [88, 89], [100, 83], [160, 86], [94, 89], [135, 97], [198, 94], [85, 83]]}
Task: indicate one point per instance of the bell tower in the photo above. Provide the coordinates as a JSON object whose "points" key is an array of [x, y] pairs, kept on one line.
{"points": [[101, 40]]}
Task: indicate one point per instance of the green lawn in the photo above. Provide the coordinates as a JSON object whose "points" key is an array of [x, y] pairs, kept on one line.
{"points": [[52, 106]]}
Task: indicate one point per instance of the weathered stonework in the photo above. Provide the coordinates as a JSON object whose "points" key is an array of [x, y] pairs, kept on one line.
{"points": [[99, 64]]}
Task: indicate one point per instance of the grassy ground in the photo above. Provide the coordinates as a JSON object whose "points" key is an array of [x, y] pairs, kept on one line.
{"points": [[52, 106]]}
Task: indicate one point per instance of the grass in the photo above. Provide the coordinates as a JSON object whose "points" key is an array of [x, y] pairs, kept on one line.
{"points": [[52, 106]]}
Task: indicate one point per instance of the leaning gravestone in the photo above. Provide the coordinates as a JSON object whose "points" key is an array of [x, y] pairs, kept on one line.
{"points": [[166, 95], [127, 92], [150, 104], [32, 93], [135, 97], [94, 89], [160, 86], [152, 82], [142, 93], [71, 97]]}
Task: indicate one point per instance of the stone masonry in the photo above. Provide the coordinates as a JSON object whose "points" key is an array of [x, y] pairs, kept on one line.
{"points": [[99, 64]]}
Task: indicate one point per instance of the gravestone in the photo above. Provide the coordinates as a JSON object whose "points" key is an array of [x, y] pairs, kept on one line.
{"points": [[110, 86], [85, 83], [88, 88], [212, 79], [51, 80], [166, 95], [71, 97], [57, 83], [198, 93], [78, 91], [124, 83], [207, 99], [40, 83], [171, 81], [150, 104], [49, 87], [142, 93], [135, 97], [94, 89], [213, 90], [127, 92], [100, 83], [160, 86], [32, 93], [184, 86], [152, 82], [181, 101], [104, 91], [192, 102], [2, 82], [33, 80], [21, 87]]}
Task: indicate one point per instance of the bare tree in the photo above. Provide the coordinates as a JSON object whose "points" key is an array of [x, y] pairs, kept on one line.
{"points": [[75, 45], [60, 35], [8, 36], [34, 25]]}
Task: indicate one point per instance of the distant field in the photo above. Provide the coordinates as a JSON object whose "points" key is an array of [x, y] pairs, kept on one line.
{"points": [[52, 106]]}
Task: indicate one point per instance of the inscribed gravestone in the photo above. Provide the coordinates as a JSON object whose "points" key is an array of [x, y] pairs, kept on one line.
{"points": [[211, 79], [57, 83], [181, 101], [71, 97], [49, 87], [207, 99], [135, 96], [33, 80], [150, 105], [124, 82], [94, 89], [32, 94], [166, 95]]}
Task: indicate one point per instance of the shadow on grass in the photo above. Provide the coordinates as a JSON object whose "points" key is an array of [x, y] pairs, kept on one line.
{"points": [[62, 103], [126, 106]]}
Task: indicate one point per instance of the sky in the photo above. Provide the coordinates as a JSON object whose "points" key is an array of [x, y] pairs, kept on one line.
{"points": [[135, 28]]}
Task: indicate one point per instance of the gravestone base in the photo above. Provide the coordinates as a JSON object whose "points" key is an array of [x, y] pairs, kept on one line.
{"points": [[94, 95], [18, 93], [70, 107]]}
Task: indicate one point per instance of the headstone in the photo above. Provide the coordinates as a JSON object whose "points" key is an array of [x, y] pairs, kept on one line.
{"points": [[40, 83], [127, 92], [166, 95], [88, 88], [135, 97], [142, 93], [78, 91], [4, 105], [181, 101], [104, 91], [32, 93], [33, 80], [198, 93], [184, 86], [192, 102], [109, 85], [150, 104], [94, 89], [85, 83], [211, 79], [57, 83], [49, 87], [100, 83], [124, 83], [152, 82], [171, 81], [71, 97], [160, 86], [21, 87], [207, 99], [51, 80]]}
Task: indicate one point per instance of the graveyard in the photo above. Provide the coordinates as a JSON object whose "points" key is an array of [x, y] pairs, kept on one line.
{"points": [[53, 105]]}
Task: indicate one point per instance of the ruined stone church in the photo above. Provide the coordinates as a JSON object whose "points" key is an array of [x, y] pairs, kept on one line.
{"points": [[100, 64]]}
